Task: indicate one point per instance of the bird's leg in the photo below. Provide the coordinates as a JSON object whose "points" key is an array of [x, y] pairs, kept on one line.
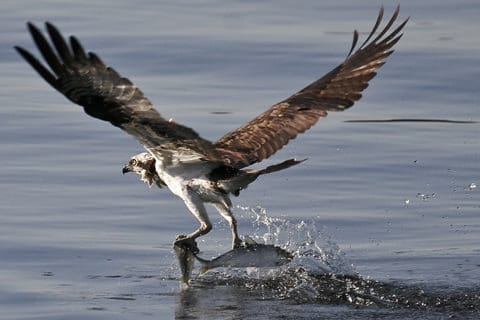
{"points": [[227, 214], [196, 207]]}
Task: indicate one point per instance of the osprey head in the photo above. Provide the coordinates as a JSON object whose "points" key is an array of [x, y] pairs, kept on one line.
{"points": [[144, 165]]}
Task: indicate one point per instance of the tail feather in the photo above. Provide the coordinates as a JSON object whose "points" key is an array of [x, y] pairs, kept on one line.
{"points": [[280, 166], [247, 176]]}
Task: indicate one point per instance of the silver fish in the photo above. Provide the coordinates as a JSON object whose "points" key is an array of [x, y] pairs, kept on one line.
{"points": [[185, 252], [251, 255]]}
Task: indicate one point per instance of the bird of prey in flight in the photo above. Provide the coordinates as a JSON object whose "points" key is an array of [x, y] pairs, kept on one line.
{"points": [[195, 169]]}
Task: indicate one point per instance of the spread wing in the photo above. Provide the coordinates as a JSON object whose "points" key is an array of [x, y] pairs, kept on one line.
{"points": [[336, 91], [104, 94]]}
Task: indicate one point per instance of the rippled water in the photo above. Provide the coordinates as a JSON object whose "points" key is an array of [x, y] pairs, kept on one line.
{"points": [[383, 217]]}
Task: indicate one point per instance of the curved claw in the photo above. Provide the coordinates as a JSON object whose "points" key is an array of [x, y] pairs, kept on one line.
{"points": [[185, 243], [237, 243]]}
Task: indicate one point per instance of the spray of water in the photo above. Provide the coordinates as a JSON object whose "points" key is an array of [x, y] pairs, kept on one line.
{"points": [[316, 257], [313, 249], [320, 272]]}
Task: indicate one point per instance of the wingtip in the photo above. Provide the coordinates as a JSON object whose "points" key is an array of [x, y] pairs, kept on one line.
{"points": [[51, 28], [405, 22], [381, 11], [22, 51], [32, 27]]}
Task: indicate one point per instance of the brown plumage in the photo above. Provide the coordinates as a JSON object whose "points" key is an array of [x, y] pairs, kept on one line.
{"points": [[336, 91], [195, 169]]}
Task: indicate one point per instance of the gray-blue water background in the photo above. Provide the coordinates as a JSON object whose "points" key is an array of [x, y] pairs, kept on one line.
{"points": [[397, 203]]}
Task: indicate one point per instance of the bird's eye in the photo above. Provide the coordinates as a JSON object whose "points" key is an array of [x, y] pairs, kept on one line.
{"points": [[133, 162]]}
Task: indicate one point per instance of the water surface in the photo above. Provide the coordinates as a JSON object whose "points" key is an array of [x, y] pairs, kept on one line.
{"points": [[391, 210]]}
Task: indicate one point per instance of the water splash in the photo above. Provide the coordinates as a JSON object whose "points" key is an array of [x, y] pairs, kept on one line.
{"points": [[316, 256], [321, 274], [313, 249]]}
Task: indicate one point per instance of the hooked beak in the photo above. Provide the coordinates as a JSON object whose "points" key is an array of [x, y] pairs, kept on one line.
{"points": [[126, 169]]}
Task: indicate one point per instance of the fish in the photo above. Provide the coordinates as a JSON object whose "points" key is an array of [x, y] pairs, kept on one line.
{"points": [[250, 255], [185, 252]]}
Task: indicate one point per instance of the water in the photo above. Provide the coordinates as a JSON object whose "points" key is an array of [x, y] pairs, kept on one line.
{"points": [[383, 216]]}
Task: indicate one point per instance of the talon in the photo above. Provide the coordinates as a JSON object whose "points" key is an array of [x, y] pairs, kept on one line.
{"points": [[237, 243], [249, 242], [186, 243]]}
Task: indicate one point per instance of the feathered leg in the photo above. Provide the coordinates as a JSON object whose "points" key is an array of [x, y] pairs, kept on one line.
{"points": [[196, 207]]}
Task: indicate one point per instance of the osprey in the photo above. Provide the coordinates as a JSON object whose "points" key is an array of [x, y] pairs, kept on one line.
{"points": [[195, 169]]}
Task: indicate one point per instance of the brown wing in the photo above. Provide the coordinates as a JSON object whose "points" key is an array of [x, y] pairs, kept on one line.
{"points": [[336, 91], [86, 80]]}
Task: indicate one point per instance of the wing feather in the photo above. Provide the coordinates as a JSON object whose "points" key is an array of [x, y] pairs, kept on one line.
{"points": [[104, 94], [336, 91]]}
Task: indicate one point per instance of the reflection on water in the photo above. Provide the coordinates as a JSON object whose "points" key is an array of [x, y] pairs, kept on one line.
{"points": [[297, 287]]}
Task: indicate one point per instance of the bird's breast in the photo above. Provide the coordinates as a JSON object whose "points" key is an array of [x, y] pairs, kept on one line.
{"points": [[194, 177]]}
